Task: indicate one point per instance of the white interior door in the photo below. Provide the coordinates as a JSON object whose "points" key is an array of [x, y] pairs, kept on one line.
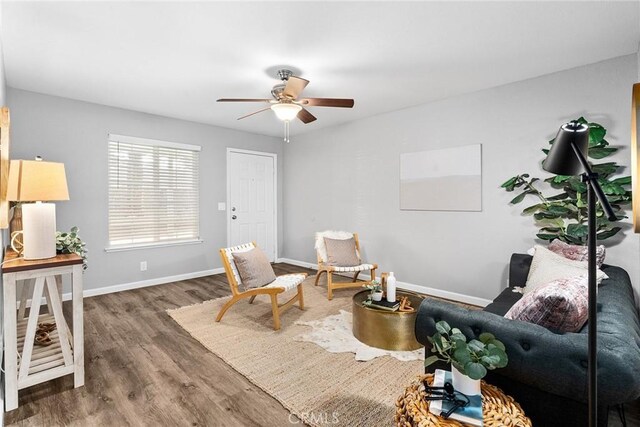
{"points": [[251, 207]]}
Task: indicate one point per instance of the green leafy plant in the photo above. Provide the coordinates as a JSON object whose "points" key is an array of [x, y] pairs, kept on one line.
{"points": [[71, 243], [471, 358], [374, 286], [564, 215]]}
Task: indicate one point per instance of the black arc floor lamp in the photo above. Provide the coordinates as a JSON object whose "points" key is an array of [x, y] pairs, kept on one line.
{"points": [[568, 156]]}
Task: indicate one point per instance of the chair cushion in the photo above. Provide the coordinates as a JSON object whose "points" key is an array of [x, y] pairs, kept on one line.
{"points": [[548, 266], [287, 281], [561, 305], [361, 267], [331, 234], [577, 252], [254, 268], [341, 252]]}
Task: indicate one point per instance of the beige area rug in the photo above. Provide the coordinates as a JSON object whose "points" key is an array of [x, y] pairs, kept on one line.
{"points": [[319, 387]]}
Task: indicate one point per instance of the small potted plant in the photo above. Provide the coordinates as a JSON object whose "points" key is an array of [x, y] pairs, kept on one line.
{"points": [[71, 243], [376, 290], [469, 361]]}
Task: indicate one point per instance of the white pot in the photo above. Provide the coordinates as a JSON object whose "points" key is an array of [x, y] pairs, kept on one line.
{"points": [[463, 383], [376, 296]]}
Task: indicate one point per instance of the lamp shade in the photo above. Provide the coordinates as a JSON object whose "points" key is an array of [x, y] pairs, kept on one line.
{"points": [[562, 159], [286, 112], [36, 181]]}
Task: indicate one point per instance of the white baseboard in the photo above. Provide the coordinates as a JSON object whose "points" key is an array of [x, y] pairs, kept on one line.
{"points": [[136, 285], [440, 293]]}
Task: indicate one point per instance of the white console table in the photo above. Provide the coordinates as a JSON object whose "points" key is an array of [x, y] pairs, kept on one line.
{"points": [[26, 364]]}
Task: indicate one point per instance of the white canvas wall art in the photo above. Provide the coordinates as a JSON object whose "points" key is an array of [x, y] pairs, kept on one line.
{"points": [[447, 179]]}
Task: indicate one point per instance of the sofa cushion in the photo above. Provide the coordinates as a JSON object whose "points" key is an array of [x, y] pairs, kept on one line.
{"points": [[503, 302], [548, 266], [561, 305], [577, 252]]}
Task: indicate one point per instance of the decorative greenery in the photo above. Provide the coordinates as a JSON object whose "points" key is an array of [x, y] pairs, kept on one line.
{"points": [[71, 243], [374, 286], [471, 358], [564, 215]]}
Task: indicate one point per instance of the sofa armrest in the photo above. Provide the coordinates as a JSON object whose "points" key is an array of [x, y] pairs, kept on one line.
{"points": [[555, 363]]}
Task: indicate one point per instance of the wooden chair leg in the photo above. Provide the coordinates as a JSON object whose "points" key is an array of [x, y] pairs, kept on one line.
{"points": [[251, 299], [329, 285], [276, 312], [373, 274], [318, 276], [355, 276], [300, 297], [226, 307]]}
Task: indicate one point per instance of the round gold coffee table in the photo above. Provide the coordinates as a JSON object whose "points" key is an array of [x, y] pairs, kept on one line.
{"points": [[389, 330], [498, 409]]}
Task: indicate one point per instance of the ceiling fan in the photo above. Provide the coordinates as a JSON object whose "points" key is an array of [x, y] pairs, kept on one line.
{"points": [[286, 103]]}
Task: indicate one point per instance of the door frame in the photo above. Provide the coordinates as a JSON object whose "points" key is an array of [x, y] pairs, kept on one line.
{"points": [[274, 156]]}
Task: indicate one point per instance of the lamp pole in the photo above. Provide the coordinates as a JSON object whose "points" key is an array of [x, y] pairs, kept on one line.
{"points": [[573, 137]]}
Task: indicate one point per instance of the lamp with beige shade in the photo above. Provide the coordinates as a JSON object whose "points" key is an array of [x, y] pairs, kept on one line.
{"points": [[37, 181]]}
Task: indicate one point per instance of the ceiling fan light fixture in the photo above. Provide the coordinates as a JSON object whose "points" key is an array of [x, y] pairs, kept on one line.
{"points": [[286, 112]]}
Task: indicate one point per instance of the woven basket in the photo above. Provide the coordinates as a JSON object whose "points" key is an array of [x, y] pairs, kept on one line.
{"points": [[498, 409]]}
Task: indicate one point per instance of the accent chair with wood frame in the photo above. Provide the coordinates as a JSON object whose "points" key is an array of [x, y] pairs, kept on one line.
{"points": [[282, 284], [323, 267]]}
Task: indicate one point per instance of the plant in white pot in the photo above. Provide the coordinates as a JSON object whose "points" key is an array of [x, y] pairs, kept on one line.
{"points": [[469, 361], [376, 290]]}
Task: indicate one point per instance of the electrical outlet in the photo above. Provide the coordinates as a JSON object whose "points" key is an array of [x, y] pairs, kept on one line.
{"points": [[143, 266]]}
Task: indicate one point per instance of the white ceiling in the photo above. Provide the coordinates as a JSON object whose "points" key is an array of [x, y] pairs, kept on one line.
{"points": [[176, 59]]}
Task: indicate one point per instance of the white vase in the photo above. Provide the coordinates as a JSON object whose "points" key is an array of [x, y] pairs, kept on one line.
{"points": [[463, 383], [376, 296], [391, 287]]}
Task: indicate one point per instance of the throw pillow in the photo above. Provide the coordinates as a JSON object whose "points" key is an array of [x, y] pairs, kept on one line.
{"points": [[561, 305], [576, 252], [254, 268], [341, 252], [547, 266]]}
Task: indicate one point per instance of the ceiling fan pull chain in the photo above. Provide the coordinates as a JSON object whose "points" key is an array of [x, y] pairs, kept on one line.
{"points": [[286, 131]]}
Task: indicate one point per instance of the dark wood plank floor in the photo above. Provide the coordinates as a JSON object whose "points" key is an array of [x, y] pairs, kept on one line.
{"points": [[143, 369]]}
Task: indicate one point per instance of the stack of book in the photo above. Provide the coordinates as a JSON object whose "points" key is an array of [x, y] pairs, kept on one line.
{"points": [[470, 414], [383, 305]]}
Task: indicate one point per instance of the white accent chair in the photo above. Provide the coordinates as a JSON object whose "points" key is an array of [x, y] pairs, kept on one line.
{"points": [[282, 284], [323, 267]]}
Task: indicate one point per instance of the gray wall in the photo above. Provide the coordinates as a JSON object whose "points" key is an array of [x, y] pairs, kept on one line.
{"points": [[75, 133], [347, 177]]}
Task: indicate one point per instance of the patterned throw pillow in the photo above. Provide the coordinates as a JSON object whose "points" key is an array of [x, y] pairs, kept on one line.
{"points": [[254, 268], [341, 253], [576, 252], [547, 266], [561, 305]]}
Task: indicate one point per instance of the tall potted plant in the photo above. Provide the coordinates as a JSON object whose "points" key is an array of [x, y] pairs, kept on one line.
{"points": [[564, 215]]}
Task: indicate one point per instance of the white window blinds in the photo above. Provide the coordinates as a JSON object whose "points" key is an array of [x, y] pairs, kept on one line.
{"points": [[153, 192]]}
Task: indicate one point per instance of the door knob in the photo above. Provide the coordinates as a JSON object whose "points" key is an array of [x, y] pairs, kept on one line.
{"points": [[234, 217]]}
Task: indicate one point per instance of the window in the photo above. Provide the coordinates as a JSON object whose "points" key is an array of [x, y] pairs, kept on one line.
{"points": [[153, 192]]}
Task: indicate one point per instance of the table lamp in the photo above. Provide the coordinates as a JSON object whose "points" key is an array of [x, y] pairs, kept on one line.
{"points": [[37, 181]]}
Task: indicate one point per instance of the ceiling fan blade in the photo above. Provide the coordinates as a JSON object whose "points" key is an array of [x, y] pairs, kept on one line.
{"points": [[295, 86], [305, 116], [244, 100], [327, 102], [255, 112]]}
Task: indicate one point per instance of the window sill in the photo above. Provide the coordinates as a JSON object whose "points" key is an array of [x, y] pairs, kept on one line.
{"points": [[122, 248]]}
